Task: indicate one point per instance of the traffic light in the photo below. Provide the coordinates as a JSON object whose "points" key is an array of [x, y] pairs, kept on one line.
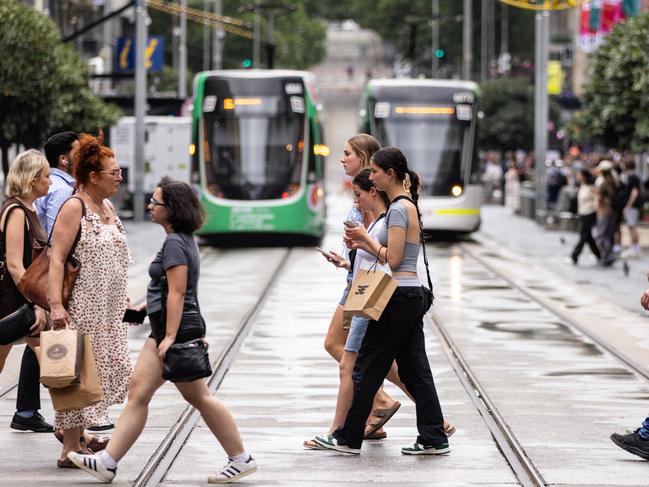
{"points": [[246, 63], [439, 53]]}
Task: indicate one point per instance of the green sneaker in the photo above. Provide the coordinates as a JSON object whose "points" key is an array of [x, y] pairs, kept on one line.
{"points": [[328, 442], [419, 449]]}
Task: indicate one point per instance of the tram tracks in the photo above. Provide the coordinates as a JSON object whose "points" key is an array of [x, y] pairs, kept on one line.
{"points": [[512, 447], [163, 458]]}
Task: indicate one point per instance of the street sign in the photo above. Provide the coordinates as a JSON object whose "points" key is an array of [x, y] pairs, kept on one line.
{"points": [[125, 53], [555, 77], [545, 4]]}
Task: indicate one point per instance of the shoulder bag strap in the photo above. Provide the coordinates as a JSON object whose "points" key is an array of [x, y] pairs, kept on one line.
{"points": [[421, 238], [83, 213]]}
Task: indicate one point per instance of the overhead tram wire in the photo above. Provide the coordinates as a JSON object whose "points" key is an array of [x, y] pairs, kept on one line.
{"points": [[228, 24]]}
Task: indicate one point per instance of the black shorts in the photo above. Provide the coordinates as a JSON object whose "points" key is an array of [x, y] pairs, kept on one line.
{"points": [[191, 327]]}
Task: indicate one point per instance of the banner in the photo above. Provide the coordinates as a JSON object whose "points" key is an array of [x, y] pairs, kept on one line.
{"points": [[599, 17]]}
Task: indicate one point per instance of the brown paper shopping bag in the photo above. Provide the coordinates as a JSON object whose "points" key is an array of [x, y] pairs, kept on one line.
{"points": [[61, 352], [369, 293], [84, 394]]}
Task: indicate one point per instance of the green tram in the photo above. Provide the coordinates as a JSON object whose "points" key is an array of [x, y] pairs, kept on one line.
{"points": [[258, 155], [434, 123]]}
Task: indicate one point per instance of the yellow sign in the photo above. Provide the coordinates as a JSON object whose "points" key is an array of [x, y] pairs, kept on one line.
{"points": [[545, 4], [555, 77]]}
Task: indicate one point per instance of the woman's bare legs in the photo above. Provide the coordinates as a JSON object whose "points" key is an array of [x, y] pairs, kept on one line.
{"points": [[336, 336], [217, 417], [4, 353], [71, 442], [345, 389], [147, 378]]}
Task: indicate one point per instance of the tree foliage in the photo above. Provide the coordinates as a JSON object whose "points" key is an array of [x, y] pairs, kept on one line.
{"points": [[616, 98], [43, 83]]}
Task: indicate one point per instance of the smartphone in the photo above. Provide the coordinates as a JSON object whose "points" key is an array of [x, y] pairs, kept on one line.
{"points": [[349, 223], [134, 316], [325, 253]]}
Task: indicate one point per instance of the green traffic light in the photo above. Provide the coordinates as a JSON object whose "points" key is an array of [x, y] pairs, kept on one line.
{"points": [[246, 63], [439, 53]]}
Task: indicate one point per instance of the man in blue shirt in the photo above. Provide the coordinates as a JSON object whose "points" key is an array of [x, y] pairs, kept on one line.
{"points": [[57, 150]]}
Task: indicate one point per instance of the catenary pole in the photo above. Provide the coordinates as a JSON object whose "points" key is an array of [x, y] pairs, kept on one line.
{"points": [[435, 39], [467, 39], [218, 37], [140, 107], [182, 52], [542, 34]]}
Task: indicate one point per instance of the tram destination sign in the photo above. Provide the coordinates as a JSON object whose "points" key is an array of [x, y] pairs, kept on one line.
{"points": [[545, 4]]}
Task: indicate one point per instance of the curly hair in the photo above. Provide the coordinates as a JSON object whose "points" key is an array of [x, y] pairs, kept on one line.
{"points": [[185, 212], [88, 156]]}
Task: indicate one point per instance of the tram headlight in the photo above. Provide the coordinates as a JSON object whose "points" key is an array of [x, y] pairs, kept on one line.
{"points": [[456, 190], [192, 149]]}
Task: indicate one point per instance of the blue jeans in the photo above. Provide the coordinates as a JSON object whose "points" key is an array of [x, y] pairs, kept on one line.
{"points": [[644, 430]]}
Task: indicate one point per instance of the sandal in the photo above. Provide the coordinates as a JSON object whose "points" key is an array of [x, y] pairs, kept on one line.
{"points": [[311, 445], [377, 435], [449, 430], [385, 415], [67, 463], [97, 443]]}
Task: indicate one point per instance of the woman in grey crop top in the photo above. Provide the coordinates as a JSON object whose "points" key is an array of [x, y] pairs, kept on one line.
{"points": [[398, 334]]}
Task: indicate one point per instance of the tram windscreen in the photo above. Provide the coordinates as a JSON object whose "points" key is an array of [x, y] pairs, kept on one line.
{"points": [[431, 138], [254, 133]]}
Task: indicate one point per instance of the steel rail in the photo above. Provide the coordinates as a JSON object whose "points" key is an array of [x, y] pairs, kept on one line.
{"points": [[555, 310], [162, 459], [519, 462]]}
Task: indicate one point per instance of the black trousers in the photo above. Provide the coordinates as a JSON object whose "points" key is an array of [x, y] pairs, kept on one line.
{"points": [[586, 236], [29, 387], [398, 335]]}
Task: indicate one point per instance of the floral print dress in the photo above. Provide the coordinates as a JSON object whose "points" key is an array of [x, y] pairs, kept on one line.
{"points": [[96, 308]]}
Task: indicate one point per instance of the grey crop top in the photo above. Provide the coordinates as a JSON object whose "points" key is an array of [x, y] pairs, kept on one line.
{"points": [[397, 216]]}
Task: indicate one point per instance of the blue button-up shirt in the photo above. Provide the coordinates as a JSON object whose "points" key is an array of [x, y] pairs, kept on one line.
{"points": [[48, 206]]}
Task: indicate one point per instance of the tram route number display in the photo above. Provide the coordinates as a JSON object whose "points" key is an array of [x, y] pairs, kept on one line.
{"points": [[248, 219], [545, 4]]}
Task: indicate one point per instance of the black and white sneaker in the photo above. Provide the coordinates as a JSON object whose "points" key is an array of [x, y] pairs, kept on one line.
{"points": [[92, 464], [330, 443], [419, 449], [233, 471]]}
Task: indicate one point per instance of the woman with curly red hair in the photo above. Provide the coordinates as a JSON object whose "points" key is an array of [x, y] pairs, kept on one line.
{"points": [[99, 298]]}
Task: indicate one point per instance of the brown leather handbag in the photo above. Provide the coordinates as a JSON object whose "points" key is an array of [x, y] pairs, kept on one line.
{"points": [[34, 282]]}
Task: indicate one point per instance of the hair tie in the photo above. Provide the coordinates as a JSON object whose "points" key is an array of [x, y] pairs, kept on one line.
{"points": [[406, 182]]}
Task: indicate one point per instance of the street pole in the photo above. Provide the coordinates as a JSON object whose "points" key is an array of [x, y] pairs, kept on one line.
{"points": [[182, 52], [504, 28], [271, 46], [257, 41], [484, 23], [467, 39], [108, 51], [140, 107], [435, 39], [206, 40], [542, 34], [218, 37]]}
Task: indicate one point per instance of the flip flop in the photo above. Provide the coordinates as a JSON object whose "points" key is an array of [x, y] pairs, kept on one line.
{"points": [[97, 443], [449, 430], [385, 415], [377, 435]]}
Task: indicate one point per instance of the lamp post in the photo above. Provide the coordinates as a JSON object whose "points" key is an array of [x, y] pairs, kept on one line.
{"points": [[140, 107]]}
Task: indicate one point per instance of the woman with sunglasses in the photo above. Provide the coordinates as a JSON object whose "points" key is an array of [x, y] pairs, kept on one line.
{"points": [[99, 297], [176, 208]]}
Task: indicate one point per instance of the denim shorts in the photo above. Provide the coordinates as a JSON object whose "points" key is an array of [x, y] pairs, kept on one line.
{"points": [[346, 291], [356, 334]]}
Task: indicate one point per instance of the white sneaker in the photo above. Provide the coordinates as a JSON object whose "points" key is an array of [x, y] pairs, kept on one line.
{"points": [[92, 464], [233, 471], [331, 443]]}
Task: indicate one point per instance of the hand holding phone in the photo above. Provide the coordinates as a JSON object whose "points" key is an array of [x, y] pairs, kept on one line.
{"points": [[326, 254], [349, 223], [134, 316]]}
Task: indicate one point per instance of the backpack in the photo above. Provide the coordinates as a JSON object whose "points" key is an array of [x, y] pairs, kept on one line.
{"points": [[620, 196]]}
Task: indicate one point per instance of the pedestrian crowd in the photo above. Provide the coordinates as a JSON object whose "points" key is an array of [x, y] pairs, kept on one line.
{"points": [[57, 210]]}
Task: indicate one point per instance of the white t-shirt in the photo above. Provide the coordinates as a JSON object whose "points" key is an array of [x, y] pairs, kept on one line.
{"points": [[365, 260]]}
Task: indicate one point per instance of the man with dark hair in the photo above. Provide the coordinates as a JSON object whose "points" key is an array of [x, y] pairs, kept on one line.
{"points": [[57, 150], [632, 209]]}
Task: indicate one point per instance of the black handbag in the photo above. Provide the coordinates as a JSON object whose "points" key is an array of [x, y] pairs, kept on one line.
{"points": [[186, 362], [429, 297], [16, 325]]}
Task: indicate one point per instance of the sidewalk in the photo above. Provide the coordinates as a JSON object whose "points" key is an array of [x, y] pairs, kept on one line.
{"points": [[551, 250]]}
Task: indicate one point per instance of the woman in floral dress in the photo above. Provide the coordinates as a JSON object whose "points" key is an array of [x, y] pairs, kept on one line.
{"points": [[99, 298]]}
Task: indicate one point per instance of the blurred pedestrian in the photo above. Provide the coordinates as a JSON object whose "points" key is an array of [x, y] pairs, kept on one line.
{"points": [[606, 218], [99, 297], [512, 187], [492, 177], [632, 209], [398, 334], [175, 207], [637, 442], [57, 150], [27, 180], [587, 211]]}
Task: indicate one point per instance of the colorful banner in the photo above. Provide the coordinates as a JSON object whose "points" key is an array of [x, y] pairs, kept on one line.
{"points": [[599, 17]]}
